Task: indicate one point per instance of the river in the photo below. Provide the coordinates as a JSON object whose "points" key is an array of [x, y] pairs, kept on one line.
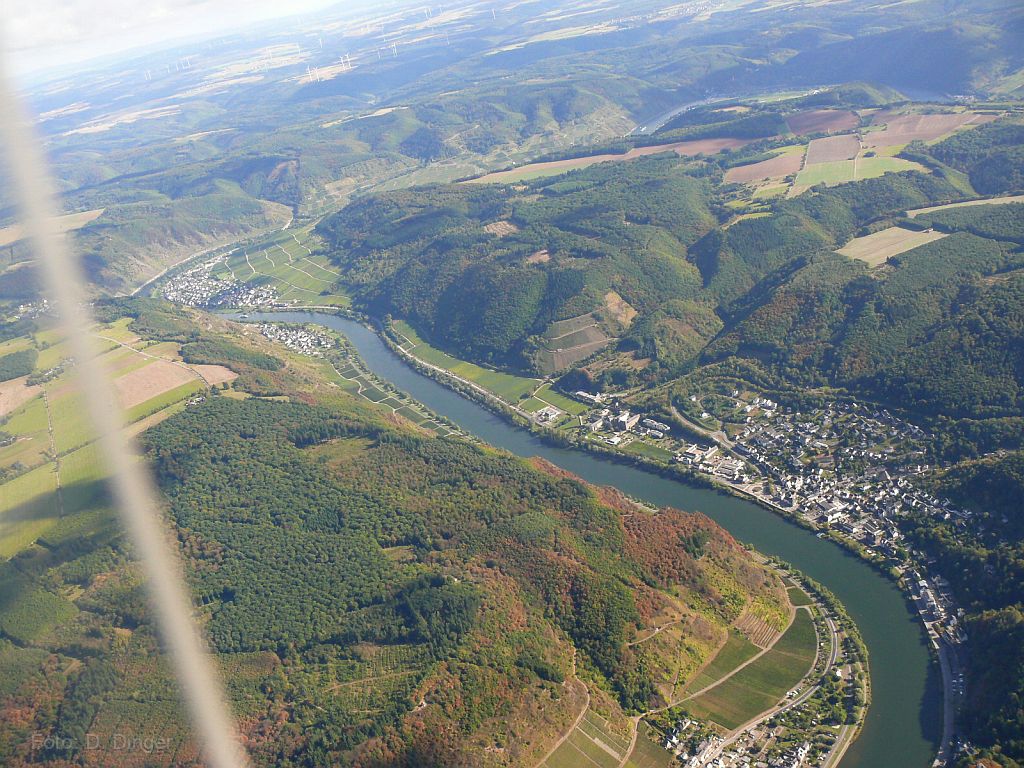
{"points": [[903, 724]]}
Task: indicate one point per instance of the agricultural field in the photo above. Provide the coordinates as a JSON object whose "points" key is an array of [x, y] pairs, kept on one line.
{"points": [[761, 685], [822, 121], [798, 597], [555, 167], [833, 149], [788, 162], [903, 129], [152, 379], [988, 201], [15, 393], [569, 341], [67, 223], [591, 743], [27, 509], [647, 753], [737, 650], [878, 247], [839, 172], [505, 385], [287, 261]]}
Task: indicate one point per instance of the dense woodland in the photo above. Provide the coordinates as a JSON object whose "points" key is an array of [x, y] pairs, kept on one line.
{"points": [[985, 563]]}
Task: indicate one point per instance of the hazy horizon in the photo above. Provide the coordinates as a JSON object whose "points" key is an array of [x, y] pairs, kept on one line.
{"points": [[51, 34]]}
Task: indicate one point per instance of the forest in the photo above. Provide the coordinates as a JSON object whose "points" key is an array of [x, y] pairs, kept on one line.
{"points": [[483, 271], [985, 563]]}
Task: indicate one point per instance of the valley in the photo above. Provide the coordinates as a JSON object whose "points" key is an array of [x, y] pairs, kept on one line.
{"points": [[532, 386]]}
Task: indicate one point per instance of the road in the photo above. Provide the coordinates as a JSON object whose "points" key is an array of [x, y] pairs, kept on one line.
{"points": [[733, 737]]}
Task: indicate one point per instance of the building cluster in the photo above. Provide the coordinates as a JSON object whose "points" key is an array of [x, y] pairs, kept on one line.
{"points": [[298, 339], [199, 287], [846, 468], [618, 423], [712, 461], [31, 310]]}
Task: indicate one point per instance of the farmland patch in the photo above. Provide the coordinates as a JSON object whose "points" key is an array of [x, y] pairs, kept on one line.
{"points": [[822, 120], [832, 149], [877, 248], [150, 381]]}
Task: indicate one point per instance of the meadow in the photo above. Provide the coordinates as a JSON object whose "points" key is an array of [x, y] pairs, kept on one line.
{"points": [[877, 248], [761, 685], [507, 386]]}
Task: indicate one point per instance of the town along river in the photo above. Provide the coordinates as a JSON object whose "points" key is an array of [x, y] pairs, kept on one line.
{"points": [[903, 724]]}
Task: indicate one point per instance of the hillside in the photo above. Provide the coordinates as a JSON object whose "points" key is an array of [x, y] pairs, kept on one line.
{"points": [[329, 115], [509, 274], [376, 595]]}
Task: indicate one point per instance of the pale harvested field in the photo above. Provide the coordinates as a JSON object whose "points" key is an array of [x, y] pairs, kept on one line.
{"points": [[619, 308], [561, 328], [67, 223], [990, 201], [215, 374], [775, 168], [501, 228], [551, 167], [145, 383], [877, 248], [907, 128], [539, 257], [14, 393], [821, 120], [833, 149]]}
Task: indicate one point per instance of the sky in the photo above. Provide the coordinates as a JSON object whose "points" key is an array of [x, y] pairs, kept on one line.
{"points": [[41, 34]]}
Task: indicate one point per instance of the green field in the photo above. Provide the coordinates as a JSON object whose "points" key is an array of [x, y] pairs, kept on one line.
{"points": [[647, 753], [561, 401], [590, 744], [505, 385], [737, 649], [640, 448], [27, 509], [295, 273], [798, 597], [761, 685], [852, 170]]}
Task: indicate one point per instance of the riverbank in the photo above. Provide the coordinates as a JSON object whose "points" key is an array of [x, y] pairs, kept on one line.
{"points": [[906, 699]]}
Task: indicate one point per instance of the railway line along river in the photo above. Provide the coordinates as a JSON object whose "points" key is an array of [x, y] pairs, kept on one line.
{"points": [[904, 721]]}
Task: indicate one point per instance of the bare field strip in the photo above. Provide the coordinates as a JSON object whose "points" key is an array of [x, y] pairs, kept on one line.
{"points": [[833, 149], [14, 393], [67, 223], [150, 381], [821, 120], [969, 203], [501, 228], [773, 168], [563, 358], [215, 374], [552, 167], [907, 128], [877, 248], [560, 328]]}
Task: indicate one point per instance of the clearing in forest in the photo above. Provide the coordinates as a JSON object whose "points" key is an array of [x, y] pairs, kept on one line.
{"points": [[877, 248]]}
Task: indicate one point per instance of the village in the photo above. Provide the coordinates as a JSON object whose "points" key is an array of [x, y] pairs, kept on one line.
{"points": [[199, 287], [299, 339], [844, 469]]}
